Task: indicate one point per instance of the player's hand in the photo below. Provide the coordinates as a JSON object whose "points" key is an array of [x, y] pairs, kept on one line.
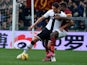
{"points": [[32, 26], [56, 17], [71, 22]]}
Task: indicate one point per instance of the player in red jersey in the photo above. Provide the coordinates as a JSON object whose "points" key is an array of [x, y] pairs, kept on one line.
{"points": [[64, 25], [67, 11]]}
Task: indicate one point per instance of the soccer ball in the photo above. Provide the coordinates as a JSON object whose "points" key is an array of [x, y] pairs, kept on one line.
{"points": [[23, 56]]}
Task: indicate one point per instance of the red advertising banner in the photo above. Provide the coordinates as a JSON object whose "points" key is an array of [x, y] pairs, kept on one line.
{"points": [[42, 4]]}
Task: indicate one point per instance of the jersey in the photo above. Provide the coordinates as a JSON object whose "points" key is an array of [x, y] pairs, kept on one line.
{"points": [[69, 14], [57, 24]]}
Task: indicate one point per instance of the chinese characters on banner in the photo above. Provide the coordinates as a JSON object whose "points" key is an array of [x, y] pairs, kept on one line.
{"points": [[3, 40], [73, 41]]}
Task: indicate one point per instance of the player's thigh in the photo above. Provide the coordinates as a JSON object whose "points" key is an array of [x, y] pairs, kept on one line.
{"points": [[54, 34], [61, 34], [35, 38], [45, 34]]}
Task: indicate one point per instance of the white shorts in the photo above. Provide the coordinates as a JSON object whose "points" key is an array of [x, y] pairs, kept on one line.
{"points": [[61, 33]]}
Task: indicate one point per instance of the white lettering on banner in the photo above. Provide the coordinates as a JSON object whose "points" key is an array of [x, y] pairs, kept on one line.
{"points": [[73, 41]]}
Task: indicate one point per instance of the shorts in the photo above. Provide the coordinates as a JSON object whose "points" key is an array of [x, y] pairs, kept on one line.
{"points": [[44, 34], [61, 33]]}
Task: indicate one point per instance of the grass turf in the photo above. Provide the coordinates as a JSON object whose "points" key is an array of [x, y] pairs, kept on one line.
{"points": [[8, 57]]}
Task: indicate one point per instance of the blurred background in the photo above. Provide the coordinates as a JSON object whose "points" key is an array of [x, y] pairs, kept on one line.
{"points": [[77, 7]]}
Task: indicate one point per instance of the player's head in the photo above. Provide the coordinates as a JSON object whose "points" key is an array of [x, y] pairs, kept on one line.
{"points": [[63, 6], [55, 7]]}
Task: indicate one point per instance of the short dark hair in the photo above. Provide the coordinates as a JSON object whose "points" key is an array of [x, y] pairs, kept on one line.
{"points": [[55, 4], [63, 4]]}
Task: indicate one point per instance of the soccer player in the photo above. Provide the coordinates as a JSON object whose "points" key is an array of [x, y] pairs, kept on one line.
{"points": [[67, 11], [54, 25], [64, 26]]}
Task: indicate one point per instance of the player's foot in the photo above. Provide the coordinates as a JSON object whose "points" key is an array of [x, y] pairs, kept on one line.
{"points": [[50, 54], [46, 59], [53, 59], [19, 56]]}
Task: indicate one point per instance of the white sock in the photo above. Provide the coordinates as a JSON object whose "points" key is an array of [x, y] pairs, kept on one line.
{"points": [[28, 47], [25, 51]]}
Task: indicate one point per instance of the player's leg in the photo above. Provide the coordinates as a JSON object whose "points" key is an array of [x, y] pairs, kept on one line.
{"points": [[34, 40], [57, 34], [41, 36], [45, 36], [51, 45], [52, 41], [45, 43]]}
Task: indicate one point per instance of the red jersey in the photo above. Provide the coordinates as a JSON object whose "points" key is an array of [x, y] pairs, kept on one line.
{"points": [[69, 14]]}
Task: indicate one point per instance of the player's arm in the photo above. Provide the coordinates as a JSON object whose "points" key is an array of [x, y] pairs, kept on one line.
{"points": [[46, 15], [61, 18], [38, 21], [67, 25], [68, 19]]}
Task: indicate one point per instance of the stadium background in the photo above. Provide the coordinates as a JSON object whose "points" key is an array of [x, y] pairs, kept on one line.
{"points": [[78, 8], [77, 33]]}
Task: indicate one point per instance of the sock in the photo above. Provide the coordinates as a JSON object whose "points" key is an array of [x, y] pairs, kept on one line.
{"points": [[29, 47], [52, 47], [25, 50], [47, 51]]}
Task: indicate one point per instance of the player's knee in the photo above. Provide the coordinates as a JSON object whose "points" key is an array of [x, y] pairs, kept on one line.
{"points": [[33, 42], [35, 39], [54, 35], [51, 43]]}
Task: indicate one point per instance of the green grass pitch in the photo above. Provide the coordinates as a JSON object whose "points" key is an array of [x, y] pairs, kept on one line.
{"points": [[8, 57]]}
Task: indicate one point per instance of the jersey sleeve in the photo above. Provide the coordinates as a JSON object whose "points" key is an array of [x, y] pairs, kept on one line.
{"points": [[47, 14], [63, 14]]}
